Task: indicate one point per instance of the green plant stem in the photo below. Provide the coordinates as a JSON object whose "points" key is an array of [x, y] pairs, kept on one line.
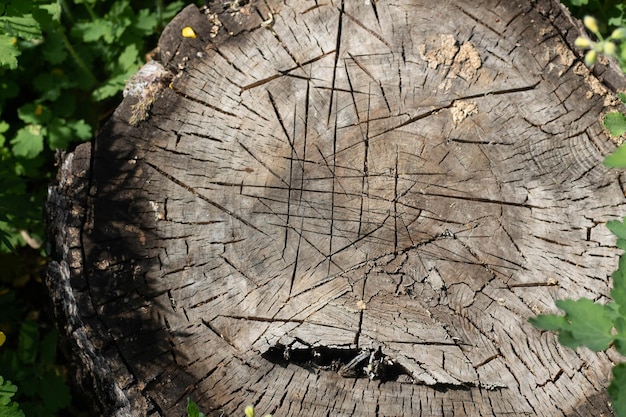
{"points": [[77, 57], [67, 10]]}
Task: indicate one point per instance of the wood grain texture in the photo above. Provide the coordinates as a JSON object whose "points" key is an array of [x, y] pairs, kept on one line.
{"points": [[407, 181]]}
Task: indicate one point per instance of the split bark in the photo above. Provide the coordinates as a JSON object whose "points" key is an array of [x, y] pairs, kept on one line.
{"points": [[345, 208]]}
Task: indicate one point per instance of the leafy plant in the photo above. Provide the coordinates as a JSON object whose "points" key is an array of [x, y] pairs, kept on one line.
{"points": [[63, 65], [8, 408], [32, 365], [597, 326]]}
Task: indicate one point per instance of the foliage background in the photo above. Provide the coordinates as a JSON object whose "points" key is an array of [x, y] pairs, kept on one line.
{"points": [[63, 65]]}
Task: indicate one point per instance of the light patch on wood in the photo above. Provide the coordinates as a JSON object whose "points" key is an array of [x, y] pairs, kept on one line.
{"points": [[361, 305], [564, 53], [461, 110], [443, 55], [464, 61]]}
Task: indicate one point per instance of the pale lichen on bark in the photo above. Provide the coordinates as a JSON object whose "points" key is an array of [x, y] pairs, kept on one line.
{"points": [[146, 86]]}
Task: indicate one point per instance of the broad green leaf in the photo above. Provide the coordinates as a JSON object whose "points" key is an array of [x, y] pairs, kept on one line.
{"points": [[25, 27], [33, 113], [54, 392], [48, 348], [172, 9], [550, 322], [193, 410], [590, 324], [7, 391], [129, 59], [615, 122], [81, 129], [55, 51], [8, 51], [618, 293], [4, 126], [59, 134], [617, 227], [11, 410], [28, 342], [146, 22], [617, 159], [620, 337], [617, 390], [94, 31], [28, 142], [622, 97]]}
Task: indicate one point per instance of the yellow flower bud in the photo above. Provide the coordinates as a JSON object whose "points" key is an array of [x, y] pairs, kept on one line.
{"points": [[609, 48], [583, 43], [188, 32], [590, 58], [618, 34], [249, 411], [591, 24], [3, 338]]}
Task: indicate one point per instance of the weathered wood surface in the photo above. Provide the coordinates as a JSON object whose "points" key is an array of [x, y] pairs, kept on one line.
{"points": [[407, 181]]}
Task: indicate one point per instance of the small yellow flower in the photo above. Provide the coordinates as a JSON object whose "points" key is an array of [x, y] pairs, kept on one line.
{"points": [[249, 411], [3, 338], [591, 24], [188, 32], [38, 110], [619, 33], [590, 58], [609, 48], [583, 43]]}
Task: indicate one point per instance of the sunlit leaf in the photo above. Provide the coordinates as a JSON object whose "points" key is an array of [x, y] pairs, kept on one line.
{"points": [[615, 122], [28, 141], [8, 51]]}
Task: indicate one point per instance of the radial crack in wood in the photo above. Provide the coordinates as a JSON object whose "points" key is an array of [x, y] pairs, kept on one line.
{"points": [[347, 208]]}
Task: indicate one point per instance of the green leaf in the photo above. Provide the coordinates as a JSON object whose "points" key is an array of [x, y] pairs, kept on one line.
{"points": [[59, 134], [94, 31], [618, 293], [590, 324], [11, 410], [550, 322], [618, 228], [54, 392], [8, 51], [4, 126], [615, 122], [33, 113], [616, 390], [55, 51], [617, 159], [25, 27], [129, 59], [146, 22], [7, 391], [28, 142], [193, 410], [28, 342], [622, 97], [81, 129], [585, 324], [48, 348]]}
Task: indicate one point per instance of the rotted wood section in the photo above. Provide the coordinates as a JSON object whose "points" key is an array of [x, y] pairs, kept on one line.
{"points": [[343, 208]]}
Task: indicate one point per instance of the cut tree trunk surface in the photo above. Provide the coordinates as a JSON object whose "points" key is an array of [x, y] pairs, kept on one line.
{"points": [[343, 208]]}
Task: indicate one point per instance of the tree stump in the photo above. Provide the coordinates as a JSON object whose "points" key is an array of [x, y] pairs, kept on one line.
{"points": [[343, 208]]}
